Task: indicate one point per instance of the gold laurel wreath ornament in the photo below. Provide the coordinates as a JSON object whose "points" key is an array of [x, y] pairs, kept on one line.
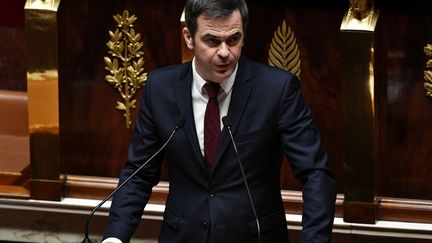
{"points": [[428, 73], [125, 49]]}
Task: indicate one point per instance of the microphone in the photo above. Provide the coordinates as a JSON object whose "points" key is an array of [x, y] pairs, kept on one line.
{"points": [[227, 123], [179, 124]]}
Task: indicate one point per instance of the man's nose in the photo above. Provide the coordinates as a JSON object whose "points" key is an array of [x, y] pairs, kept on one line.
{"points": [[223, 51]]}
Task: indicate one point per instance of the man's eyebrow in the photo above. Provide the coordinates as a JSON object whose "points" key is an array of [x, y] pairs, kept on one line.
{"points": [[236, 34], [211, 36]]}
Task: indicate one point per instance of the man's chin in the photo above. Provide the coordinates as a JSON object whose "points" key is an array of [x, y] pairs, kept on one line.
{"points": [[222, 75]]}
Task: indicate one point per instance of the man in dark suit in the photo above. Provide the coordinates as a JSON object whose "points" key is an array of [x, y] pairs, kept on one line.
{"points": [[208, 200]]}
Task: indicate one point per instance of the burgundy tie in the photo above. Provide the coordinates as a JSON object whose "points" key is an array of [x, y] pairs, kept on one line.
{"points": [[212, 129]]}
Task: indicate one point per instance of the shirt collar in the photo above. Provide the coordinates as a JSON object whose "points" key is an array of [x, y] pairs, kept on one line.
{"points": [[199, 82]]}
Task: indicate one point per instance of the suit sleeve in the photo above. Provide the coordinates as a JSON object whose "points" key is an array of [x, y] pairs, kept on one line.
{"points": [[129, 202], [301, 143]]}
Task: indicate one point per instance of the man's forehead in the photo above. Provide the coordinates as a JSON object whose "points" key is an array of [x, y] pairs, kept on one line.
{"points": [[228, 25]]}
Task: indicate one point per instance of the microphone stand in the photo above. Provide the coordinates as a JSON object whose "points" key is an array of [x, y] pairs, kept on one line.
{"points": [[179, 123], [227, 123]]}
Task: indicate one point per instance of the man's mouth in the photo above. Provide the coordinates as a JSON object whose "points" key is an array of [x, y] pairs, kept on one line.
{"points": [[222, 66]]}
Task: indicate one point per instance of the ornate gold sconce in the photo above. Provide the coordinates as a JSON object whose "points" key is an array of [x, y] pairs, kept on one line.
{"points": [[428, 73], [283, 52], [125, 49]]}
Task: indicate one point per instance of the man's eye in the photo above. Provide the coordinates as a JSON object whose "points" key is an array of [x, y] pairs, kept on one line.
{"points": [[233, 40], [213, 41]]}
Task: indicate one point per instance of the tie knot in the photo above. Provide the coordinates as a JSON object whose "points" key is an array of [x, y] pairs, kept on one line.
{"points": [[212, 89]]}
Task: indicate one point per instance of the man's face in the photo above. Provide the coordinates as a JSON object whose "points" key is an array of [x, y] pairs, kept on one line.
{"points": [[217, 45]]}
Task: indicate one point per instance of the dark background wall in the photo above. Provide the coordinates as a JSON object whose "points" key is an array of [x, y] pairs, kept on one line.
{"points": [[12, 45]]}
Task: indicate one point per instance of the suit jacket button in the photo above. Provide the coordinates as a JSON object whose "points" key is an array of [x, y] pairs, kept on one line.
{"points": [[205, 225], [212, 193]]}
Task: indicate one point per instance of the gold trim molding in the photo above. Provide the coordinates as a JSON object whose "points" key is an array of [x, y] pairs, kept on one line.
{"points": [[126, 65], [428, 73]]}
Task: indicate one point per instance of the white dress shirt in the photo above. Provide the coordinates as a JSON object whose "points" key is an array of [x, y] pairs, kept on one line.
{"points": [[199, 104], [200, 98]]}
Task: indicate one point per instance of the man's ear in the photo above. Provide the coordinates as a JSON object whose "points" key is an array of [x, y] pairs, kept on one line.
{"points": [[188, 38]]}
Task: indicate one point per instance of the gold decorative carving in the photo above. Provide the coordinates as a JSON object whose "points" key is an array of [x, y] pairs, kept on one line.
{"points": [[361, 9], [283, 52], [126, 65], [361, 16], [44, 5], [428, 73]]}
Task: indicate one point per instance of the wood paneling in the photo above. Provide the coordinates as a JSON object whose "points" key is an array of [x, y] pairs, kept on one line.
{"points": [[12, 13], [94, 138], [17, 192], [404, 164], [13, 51], [318, 38], [12, 45]]}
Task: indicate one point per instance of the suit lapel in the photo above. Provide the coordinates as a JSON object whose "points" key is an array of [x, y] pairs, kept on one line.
{"points": [[184, 103], [239, 97]]}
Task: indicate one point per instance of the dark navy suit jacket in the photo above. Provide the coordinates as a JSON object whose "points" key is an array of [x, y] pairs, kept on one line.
{"points": [[269, 118]]}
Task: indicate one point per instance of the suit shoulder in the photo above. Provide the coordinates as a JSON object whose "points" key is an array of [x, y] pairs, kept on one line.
{"points": [[171, 68], [267, 75], [274, 71], [169, 73]]}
